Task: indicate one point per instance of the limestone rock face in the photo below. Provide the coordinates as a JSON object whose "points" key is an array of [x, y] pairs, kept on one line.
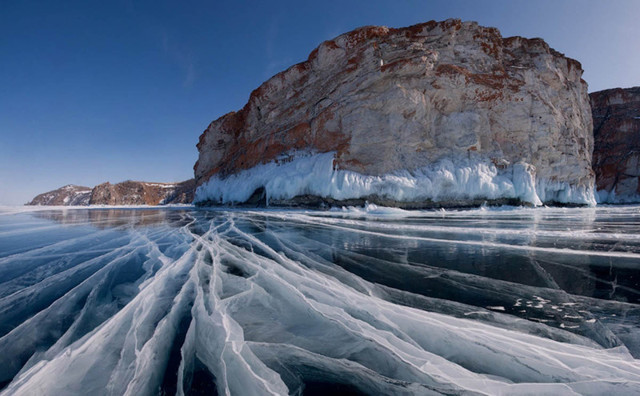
{"points": [[616, 154], [396, 100], [125, 193], [69, 195]]}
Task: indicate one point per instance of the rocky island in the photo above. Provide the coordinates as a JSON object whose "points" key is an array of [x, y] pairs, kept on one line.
{"points": [[125, 193], [434, 114]]}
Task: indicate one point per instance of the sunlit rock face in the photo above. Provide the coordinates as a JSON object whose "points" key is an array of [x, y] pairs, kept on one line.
{"points": [[125, 193], [69, 195], [142, 193], [389, 101], [616, 122]]}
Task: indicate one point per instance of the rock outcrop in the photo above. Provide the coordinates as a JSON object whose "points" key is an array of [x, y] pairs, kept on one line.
{"points": [[69, 195], [125, 193], [616, 154], [436, 112], [142, 193]]}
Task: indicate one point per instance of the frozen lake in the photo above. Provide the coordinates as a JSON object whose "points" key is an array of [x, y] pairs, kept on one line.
{"points": [[357, 301]]}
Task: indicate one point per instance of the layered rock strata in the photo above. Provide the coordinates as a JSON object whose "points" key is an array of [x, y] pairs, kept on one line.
{"points": [[616, 154], [437, 112], [125, 193]]}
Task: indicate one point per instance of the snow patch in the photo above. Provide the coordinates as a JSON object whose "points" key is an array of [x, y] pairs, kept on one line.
{"points": [[162, 185], [315, 174]]}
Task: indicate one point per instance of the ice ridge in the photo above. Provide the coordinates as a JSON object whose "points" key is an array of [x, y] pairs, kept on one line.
{"points": [[445, 180]]}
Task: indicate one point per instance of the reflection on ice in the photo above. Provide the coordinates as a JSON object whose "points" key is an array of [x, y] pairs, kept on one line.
{"points": [[363, 301]]}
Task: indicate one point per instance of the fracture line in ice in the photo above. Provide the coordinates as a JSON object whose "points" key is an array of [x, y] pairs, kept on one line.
{"points": [[570, 234], [287, 312], [355, 299], [99, 359], [219, 339], [451, 279], [311, 220]]}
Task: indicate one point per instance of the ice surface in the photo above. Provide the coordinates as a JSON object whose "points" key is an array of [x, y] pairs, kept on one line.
{"points": [[314, 174], [371, 300]]}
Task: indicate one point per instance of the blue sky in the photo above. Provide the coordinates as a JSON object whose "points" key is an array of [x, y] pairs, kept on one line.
{"points": [[94, 91]]}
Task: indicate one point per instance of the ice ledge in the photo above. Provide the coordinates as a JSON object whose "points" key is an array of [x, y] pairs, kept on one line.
{"points": [[610, 197], [309, 174]]}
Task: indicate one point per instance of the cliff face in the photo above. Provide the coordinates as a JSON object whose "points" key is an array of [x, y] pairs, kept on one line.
{"points": [[452, 108], [69, 195], [616, 155], [142, 193], [125, 193]]}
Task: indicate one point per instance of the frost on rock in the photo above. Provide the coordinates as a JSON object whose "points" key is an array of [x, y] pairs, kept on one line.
{"points": [[446, 180]]}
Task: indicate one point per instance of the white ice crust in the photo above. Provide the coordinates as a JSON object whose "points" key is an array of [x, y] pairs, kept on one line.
{"points": [[447, 179], [610, 197]]}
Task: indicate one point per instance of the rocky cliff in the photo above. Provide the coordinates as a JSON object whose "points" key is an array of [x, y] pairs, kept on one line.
{"points": [[141, 193], [125, 193], [69, 195], [437, 112], [616, 154]]}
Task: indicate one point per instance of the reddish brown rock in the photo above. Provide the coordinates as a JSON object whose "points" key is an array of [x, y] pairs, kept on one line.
{"points": [[125, 193], [142, 193], [616, 154], [388, 100]]}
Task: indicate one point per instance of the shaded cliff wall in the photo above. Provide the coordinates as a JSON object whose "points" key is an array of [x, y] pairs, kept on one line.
{"points": [[616, 156]]}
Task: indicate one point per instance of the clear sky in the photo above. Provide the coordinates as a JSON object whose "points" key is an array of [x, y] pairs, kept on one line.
{"points": [[95, 91]]}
